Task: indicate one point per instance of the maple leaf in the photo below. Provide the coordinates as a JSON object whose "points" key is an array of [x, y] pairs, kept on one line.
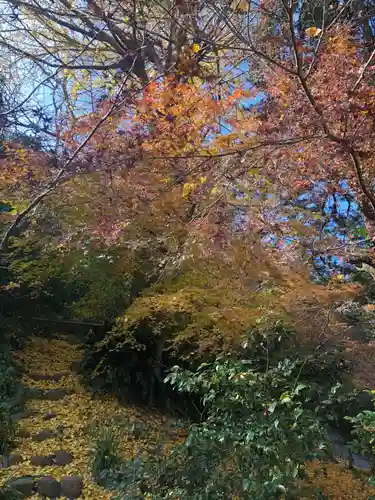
{"points": [[187, 189], [313, 31]]}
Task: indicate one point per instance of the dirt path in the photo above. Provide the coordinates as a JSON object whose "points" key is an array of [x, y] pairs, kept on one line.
{"points": [[57, 439]]}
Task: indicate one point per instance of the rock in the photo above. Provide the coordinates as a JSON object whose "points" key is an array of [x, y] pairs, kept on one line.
{"points": [[50, 415], [24, 414], [40, 376], [71, 486], [9, 461], [58, 376], [55, 394], [24, 485], [42, 460], [33, 393], [14, 459], [55, 377], [43, 435], [49, 487], [63, 457]]}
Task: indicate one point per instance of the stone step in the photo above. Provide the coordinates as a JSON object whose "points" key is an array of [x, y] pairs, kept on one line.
{"points": [[43, 435], [33, 393], [10, 460], [47, 486], [49, 416], [60, 458], [16, 417], [25, 485], [55, 377], [50, 395], [55, 394]]}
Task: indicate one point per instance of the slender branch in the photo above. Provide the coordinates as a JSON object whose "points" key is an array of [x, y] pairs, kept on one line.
{"points": [[5, 113], [281, 142], [343, 8], [318, 44], [32, 126], [60, 174], [333, 137], [361, 75]]}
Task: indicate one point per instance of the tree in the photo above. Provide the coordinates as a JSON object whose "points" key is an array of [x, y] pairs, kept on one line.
{"points": [[226, 302], [311, 126]]}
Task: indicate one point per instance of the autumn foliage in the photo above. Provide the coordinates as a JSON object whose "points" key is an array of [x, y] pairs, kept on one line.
{"points": [[222, 140]]}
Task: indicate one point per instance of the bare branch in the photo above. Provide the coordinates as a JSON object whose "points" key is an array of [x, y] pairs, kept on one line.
{"points": [[60, 175], [363, 70]]}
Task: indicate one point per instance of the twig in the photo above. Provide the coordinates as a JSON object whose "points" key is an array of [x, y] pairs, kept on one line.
{"points": [[361, 75], [318, 44], [59, 176]]}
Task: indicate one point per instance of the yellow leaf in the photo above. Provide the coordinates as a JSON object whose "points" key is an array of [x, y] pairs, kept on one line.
{"points": [[313, 31], [214, 190], [187, 189], [203, 179], [241, 6], [196, 47]]}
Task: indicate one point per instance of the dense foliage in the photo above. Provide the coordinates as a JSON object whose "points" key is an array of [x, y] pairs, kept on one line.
{"points": [[208, 309], [196, 179], [11, 399], [258, 427]]}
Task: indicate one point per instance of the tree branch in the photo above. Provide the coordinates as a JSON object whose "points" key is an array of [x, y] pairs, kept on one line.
{"points": [[60, 175], [363, 71], [333, 137]]}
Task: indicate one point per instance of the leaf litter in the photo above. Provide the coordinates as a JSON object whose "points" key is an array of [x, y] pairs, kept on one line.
{"points": [[76, 416]]}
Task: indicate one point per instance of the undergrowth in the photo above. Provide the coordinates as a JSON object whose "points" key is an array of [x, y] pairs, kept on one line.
{"points": [[11, 399], [258, 430]]}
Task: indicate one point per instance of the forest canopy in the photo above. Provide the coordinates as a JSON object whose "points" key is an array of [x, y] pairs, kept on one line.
{"points": [[196, 180]]}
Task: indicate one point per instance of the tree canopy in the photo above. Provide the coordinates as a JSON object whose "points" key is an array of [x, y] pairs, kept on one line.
{"points": [[199, 175]]}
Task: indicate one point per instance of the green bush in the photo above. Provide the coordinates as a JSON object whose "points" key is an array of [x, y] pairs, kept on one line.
{"points": [[258, 428], [11, 400], [363, 434], [204, 312], [141, 377], [8, 493], [104, 458]]}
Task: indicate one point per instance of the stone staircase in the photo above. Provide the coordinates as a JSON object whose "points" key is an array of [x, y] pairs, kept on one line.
{"points": [[46, 486], [44, 463]]}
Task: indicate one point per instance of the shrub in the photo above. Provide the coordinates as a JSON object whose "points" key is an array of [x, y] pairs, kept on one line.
{"points": [[104, 458], [363, 433], [11, 399], [258, 428], [205, 312], [8, 493]]}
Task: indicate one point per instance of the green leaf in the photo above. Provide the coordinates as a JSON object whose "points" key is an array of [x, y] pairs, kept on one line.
{"points": [[272, 407], [245, 484], [300, 387]]}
